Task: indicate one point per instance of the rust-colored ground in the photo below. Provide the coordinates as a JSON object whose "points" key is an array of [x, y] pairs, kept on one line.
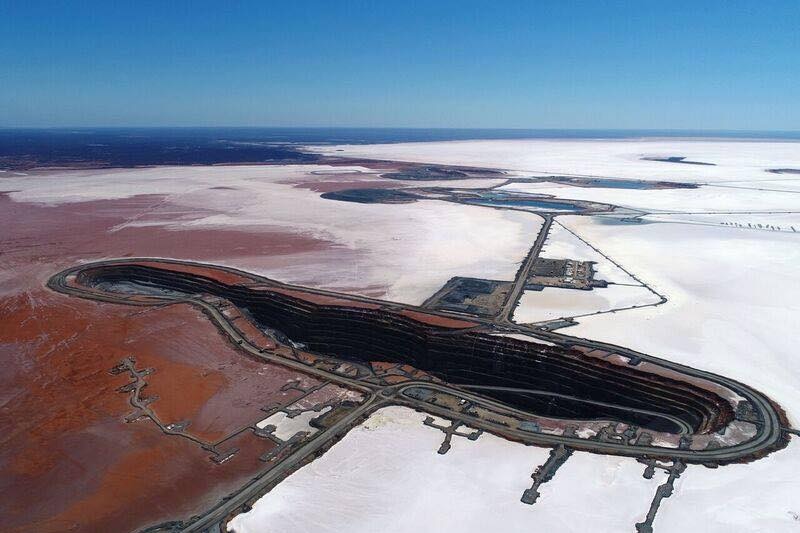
{"points": [[70, 463], [39, 240], [69, 460], [436, 320], [323, 299]]}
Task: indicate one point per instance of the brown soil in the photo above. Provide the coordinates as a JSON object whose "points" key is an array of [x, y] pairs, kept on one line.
{"points": [[323, 299], [223, 276], [38, 240], [436, 320], [69, 460]]}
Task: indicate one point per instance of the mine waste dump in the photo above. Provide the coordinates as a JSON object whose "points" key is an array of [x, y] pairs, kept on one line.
{"points": [[536, 378]]}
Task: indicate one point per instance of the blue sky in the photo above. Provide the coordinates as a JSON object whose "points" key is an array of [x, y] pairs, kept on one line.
{"points": [[527, 64]]}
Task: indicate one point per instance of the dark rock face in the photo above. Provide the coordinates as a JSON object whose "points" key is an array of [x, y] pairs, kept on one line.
{"points": [[579, 387]]}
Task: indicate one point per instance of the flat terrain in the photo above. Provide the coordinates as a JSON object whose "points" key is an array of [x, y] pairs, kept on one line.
{"points": [[71, 462], [723, 255], [700, 274]]}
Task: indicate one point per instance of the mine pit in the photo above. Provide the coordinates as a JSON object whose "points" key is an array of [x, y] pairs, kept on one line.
{"points": [[543, 380]]}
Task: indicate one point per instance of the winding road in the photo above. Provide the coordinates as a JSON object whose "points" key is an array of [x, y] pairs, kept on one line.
{"points": [[768, 435]]}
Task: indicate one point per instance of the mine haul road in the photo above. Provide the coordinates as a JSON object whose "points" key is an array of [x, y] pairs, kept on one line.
{"points": [[769, 430], [768, 433], [513, 296]]}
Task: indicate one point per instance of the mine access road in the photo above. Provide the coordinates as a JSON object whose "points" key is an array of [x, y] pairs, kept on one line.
{"points": [[770, 433]]}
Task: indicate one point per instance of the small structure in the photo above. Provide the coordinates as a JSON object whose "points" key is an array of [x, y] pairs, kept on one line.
{"points": [[563, 273], [543, 474], [449, 431]]}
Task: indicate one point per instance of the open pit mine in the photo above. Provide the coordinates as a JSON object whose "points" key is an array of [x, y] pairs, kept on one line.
{"points": [[540, 388]]}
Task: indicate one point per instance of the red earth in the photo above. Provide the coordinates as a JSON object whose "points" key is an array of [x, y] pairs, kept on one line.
{"points": [[70, 462]]}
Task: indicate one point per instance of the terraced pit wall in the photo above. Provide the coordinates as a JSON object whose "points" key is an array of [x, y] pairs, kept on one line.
{"points": [[370, 333]]}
